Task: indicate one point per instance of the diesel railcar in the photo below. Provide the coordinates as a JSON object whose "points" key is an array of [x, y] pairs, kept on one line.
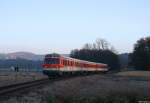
{"points": [[57, 65]]}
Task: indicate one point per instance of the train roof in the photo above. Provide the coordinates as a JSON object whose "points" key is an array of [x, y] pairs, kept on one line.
{"points": [[84, 61], [69, 58]]}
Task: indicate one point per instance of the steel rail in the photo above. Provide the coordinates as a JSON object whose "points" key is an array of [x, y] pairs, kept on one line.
{"points": [[20, 86]]}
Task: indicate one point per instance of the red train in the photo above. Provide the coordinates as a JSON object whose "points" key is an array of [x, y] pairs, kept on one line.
{"points": [[55, 64]]}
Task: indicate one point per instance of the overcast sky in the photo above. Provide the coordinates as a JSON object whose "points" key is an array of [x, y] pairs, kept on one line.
{"points": [[45, 26]]}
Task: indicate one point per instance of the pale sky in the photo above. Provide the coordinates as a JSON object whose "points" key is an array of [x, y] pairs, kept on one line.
{"points": [[45, 26]]}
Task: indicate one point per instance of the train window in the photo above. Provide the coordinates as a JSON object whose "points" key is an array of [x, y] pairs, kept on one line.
{"points": [[75, 63], [70, 63], [51, 60], [67, 62], [63, 62]]}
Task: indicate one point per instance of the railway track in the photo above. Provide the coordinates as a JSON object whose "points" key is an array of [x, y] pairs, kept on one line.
{"points": [[7, 91], [21, 86]]}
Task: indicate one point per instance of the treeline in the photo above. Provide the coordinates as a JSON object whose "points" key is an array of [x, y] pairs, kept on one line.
{"points": [[21, 63], [140, 58], [100, 51]]}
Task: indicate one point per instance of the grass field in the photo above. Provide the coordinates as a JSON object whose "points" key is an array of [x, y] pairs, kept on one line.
{"points": [[90, 89]]}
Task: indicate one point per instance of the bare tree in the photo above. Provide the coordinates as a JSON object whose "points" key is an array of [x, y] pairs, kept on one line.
{"points": [[87, 46], [113, 50], [94, 46], [101, 44]]}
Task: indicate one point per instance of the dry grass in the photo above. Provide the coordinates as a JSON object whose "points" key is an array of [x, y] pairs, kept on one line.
{"points": [[135, 73], [93, 89], [8, 78], [89, 89]]}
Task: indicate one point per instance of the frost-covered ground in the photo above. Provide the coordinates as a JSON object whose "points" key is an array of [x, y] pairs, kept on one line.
{"points": [[88, 89], [11, 77], [135, 73]]}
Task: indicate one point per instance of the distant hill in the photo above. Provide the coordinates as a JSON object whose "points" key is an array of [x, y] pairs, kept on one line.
{"points": [[27, 65], [22, 55]]}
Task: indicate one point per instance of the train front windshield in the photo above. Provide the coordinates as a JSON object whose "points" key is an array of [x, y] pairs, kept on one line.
{"points": [[51, 61]]}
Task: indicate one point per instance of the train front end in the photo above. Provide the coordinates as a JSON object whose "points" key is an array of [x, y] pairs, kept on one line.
{"points": [[51, 65]]}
